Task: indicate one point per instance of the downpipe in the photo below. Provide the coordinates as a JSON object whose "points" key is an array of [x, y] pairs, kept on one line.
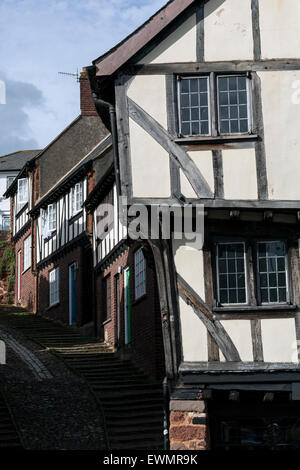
{"points": [[113, 124]]}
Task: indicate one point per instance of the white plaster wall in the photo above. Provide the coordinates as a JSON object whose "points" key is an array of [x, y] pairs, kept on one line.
{"points": [[204, 161], [180, 46], [279, 28], [228, 30], [150, 165], [239, 169], [279, 340], [189, 264], [149, 92], [240, 333], [281, 114], [194, 335]]}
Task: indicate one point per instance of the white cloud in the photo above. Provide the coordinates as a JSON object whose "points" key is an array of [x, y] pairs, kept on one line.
{"points": [[39, 38]]}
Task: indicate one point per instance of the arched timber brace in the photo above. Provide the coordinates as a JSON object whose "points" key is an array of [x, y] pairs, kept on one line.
{"points": [[161, 260], [214, 327], [180, 156]]}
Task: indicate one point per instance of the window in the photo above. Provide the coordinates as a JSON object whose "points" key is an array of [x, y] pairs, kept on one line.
{"points": [[269, 279], [231, 101], [76, 199], [54, 287], [27, 253], [6, 222], [231, 269], [9, 180], [52, 217], [22, 191], [106, 297], [139, 274], [272, 272]]}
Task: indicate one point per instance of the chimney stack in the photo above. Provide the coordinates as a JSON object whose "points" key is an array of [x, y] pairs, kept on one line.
{"points": [[87, 105]]}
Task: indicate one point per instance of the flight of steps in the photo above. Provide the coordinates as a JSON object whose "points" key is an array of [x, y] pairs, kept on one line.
{"points": [[132, 405], [8, 435]]}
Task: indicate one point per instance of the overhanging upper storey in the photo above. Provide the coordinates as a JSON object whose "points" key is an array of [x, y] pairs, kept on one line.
{"points": [[208, 104]]}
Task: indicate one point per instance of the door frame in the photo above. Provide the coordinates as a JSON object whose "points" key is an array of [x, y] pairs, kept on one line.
{"points": [[72, 293], [127, 323], [19, 275]]}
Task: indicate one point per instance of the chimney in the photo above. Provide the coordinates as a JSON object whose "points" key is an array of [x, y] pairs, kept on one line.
{"points": [[87, 105]]}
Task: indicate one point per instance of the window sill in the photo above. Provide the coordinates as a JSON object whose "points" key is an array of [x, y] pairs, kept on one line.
{"points": [[53, 305], [215, 139], [106, 321], [25, 270], [140, 299], [256, 309], [76, 216], [21, 210]]}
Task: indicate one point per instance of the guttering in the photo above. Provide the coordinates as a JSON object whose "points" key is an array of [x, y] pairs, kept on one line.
{"points": [[113, 124]]}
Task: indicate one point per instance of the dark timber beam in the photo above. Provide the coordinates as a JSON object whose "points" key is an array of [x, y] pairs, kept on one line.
{"points": [[214, 327], [221, 66], [153, 128]]}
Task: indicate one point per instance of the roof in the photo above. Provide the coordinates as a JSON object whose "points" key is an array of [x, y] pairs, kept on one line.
{"points": [[16, 160], [75, 173], [112, 60]]}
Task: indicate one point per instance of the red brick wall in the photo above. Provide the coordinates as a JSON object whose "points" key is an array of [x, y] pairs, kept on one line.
{"points": [[60, 311], [188, 425], [146, 347], [87, 105], [27, 278]]}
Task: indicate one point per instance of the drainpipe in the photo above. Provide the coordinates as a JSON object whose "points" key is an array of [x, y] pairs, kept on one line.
{"points": [[113, 124], [166, 413]]}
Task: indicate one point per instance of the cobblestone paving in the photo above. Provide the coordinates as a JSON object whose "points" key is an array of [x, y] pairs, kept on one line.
{"points": [[53, 408]]}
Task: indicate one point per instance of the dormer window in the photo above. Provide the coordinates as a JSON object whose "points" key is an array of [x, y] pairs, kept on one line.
{"points": [[22, 191], [205, 112]]}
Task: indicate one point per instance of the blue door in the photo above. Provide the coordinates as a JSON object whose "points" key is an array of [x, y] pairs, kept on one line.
{"points": [[72, 294]]}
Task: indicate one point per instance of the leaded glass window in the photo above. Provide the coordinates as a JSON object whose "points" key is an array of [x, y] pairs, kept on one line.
{"points": [[272, 272], [231, 272]]}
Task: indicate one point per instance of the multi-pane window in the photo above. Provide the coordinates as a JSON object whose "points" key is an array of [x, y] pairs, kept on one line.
{"points": [[6, 222], [194, 108], [269, 279], [106, 298], [233, 104], [9, 180], [272, 272], [205, 112], [139, 274], [22, 191], [27, 253], [52, 217], [231, 268], [54, 286], [76, 198]]}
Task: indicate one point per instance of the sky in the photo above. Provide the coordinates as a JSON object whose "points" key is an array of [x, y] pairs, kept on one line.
{"points": [[38, 39]]}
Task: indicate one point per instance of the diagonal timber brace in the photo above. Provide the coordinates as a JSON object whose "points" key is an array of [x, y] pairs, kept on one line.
{"points": [[180, 156], [214, 327]]}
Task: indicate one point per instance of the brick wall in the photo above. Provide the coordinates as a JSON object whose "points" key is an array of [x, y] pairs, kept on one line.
{"points": [[87, 105], [60, 311], [146, 346], [27, 277], [188, 425]]}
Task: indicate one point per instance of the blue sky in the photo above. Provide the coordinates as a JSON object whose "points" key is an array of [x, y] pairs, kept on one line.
{"points": [[38, 39]]}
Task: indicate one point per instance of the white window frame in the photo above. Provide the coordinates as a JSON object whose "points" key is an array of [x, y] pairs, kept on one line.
{"points": [[54, 287], [22, 197], [76, 198], [140, 274], [52, 217], [241, 242], [11, 179], [27, 253]]}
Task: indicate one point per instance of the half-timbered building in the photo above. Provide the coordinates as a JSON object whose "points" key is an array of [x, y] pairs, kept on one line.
{"points": [[206, 95]]}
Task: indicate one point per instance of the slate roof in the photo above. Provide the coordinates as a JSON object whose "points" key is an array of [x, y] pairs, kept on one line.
{"points": [[15, 161]]}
